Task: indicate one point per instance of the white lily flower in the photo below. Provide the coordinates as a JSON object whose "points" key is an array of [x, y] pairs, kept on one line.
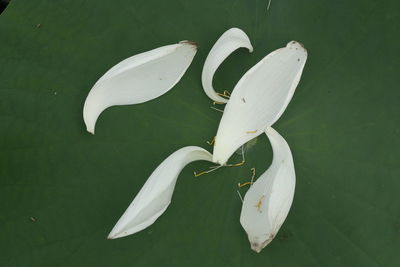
{"points": [[229, 41], [259, 99], [268, 201], [155, 196], [138, 79]]}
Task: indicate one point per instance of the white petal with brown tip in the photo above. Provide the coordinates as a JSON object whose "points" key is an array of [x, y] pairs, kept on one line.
{"points": [[229, 41], [155, 195], [268, 201], [138, 79]]}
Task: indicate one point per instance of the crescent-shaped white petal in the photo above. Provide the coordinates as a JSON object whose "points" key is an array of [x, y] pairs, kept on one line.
{"points": [[138, 79], [155, 195], [229, 41], [268, 201], [259, 99]]}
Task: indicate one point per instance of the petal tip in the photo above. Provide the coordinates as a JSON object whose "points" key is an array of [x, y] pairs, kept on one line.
{"points": [[257, 244], [115, 235], [297, 45], [111, 236], [256, 248], [195, 44], [218, 159], [90, 129]]}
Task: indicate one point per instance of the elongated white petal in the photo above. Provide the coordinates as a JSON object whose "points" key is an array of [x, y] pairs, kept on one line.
{"points": [[267, 202], [155, 196], [229, 41], [259, 99], [138, 79]]}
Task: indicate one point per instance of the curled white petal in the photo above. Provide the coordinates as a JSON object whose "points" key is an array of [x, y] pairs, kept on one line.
{"points": [[229, 41], [268, 201], [259, 99], [138, 79], [155, 195]]}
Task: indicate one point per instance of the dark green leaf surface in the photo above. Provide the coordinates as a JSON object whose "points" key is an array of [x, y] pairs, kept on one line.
{"points": [[62, 189]]}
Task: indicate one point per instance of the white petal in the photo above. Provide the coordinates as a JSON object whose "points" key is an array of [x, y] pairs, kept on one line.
{"points": [[138, 79], [267, 202], [259, 99], [229, 41], [155, 196]]}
